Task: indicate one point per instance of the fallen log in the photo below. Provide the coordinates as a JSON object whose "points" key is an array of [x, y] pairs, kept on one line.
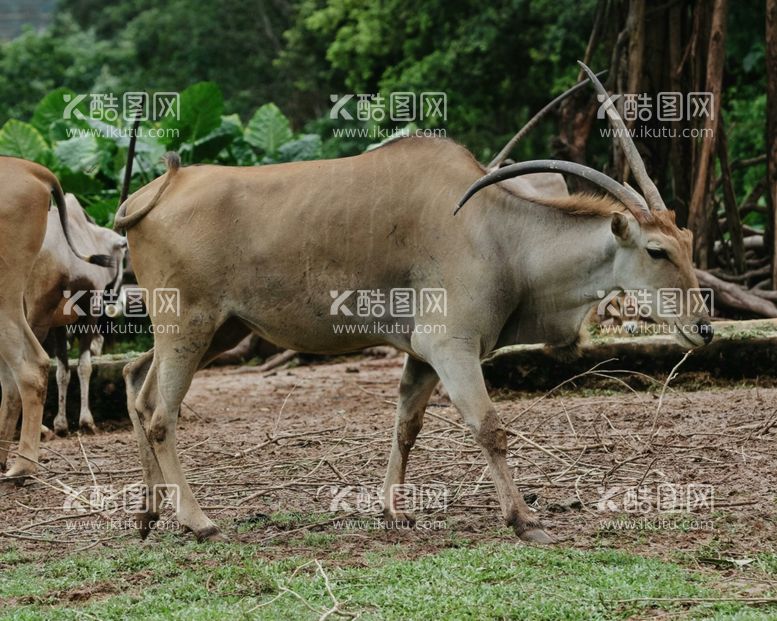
{"points": [[732, 296], [740, 350]]}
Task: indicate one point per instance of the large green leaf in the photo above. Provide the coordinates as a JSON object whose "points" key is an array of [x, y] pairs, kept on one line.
{"points": [[200, 111], [240, 153], [306, 147], [79, 183], [268, 129], [210, 146], [21, 139], [80, 154], [102, 207], [53, 109]]}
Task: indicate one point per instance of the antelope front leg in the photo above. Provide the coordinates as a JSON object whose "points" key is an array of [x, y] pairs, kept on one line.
{"points": [[462, 377], [415, 388], [85, 420], [63, 380]]}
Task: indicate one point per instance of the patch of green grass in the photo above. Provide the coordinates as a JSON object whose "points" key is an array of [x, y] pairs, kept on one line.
{"points": [[170, 579], [767, 562], [10, 556], [282, 520]]}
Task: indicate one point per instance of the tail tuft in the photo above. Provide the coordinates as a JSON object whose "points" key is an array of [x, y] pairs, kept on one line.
{"points": [[172, 161], [103, 260]]}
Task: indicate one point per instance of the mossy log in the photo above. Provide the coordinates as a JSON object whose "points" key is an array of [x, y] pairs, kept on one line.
{"points": [[741, 350]]}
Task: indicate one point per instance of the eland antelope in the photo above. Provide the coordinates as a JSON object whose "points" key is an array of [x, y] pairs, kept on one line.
{"points": [[64, 292], [267, 249]]}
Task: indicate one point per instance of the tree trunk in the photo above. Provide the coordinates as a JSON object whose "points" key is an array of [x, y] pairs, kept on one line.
{"points": [[771, 125], [699, 216], [679, 148], [733, 221]]}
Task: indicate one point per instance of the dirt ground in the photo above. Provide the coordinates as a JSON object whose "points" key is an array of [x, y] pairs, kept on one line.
{"points": [[277, 457]]}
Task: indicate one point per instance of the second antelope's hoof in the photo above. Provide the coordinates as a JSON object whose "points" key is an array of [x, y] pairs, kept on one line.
{"points": [[398, 518], [88, 428], [145, 522], [212, 533], [536, 535]]}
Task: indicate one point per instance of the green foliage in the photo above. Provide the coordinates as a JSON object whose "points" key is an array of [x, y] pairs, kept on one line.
{"points": [[34, 64], [89, 155], [268, 129], [21, 139], [169, 45], [497, 62], [201, 107]]}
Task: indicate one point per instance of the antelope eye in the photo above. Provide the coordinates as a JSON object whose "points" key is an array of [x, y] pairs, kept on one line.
{"points": [[657, 253]]}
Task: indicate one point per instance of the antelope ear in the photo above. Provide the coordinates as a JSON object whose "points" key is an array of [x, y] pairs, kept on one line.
{"points": [[620, 226]]}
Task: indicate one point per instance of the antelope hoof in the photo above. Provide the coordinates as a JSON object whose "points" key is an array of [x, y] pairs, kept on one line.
{"points": [[88, 428], [210, 533], [18, 473], [145, 522], [536, 535], [398, 518], [17, 480], [7, 482]]}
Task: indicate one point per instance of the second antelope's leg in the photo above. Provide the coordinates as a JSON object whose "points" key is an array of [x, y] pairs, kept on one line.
{"points": [[63, 380], [85, 419], [415, 388]]}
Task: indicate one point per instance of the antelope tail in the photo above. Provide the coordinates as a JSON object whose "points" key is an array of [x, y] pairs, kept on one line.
{"points": [[123, 222], [102, 260]]}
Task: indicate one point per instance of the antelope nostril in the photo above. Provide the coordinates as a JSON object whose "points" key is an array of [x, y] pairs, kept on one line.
{"points": [[705, 330]]}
